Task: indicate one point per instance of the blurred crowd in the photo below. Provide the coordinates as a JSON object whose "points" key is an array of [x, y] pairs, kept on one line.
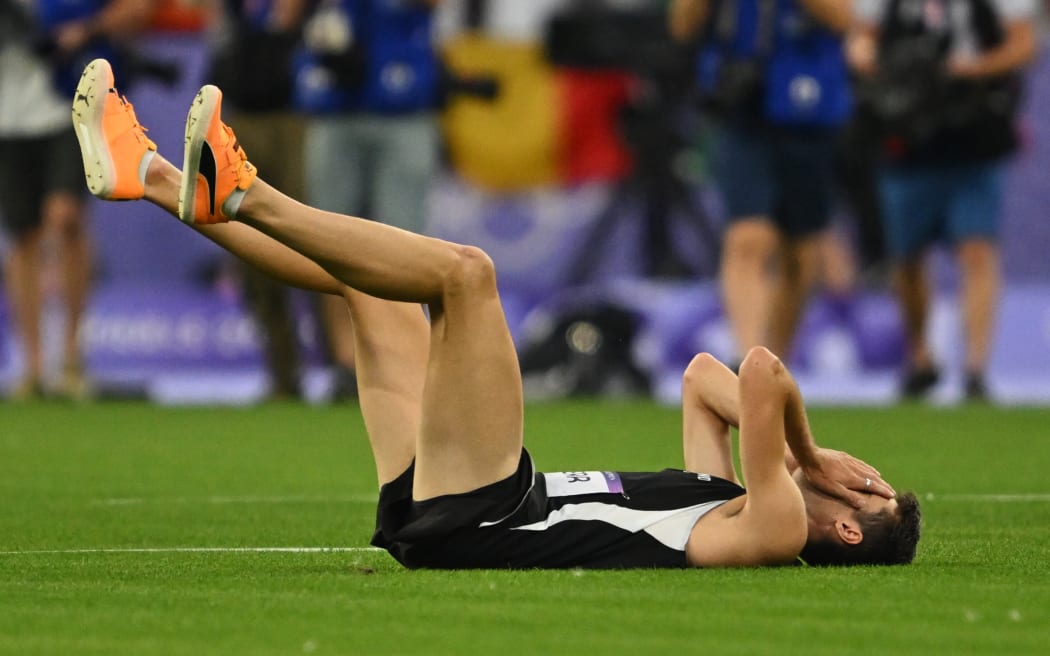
{"points": [[899, 115]]}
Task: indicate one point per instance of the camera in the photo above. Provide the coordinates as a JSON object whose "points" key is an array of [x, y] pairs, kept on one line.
{"points": [[908, 94]]}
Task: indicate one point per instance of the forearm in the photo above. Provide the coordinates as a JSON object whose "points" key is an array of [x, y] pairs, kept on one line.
{"points": [[836, 473], [713, 391], [1016, 51], [687, 17], [710, 406], [123, 17], [713, 386], [833, 14], [862, 49], [797, 434]]}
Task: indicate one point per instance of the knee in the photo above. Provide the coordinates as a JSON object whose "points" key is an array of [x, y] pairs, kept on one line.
{"points": [[472, 271], [802, 260], [909, 271], [750, 241], [977, 256], [63, 217]]}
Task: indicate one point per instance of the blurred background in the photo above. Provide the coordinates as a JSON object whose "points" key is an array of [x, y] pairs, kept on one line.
{"points": [[628, 164]]}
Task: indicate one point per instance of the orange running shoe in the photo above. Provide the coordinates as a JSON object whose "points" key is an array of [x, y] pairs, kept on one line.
{"points": [[216, 172], [114, 146]]}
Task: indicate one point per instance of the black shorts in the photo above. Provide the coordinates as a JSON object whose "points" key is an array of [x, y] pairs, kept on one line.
{"points": [[783, 173], [443, 532], [33, 168]]}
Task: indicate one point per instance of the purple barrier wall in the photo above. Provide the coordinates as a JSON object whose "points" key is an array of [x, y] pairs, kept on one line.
{"points": [[151, 325]]}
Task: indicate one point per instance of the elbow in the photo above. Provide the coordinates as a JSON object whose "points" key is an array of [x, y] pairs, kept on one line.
{"points": [[761, 361], [699, 370], [762, 370]]}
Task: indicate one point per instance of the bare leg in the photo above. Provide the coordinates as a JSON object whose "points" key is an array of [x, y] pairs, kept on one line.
{"points": [[913, 292], [340, 329], [64, 218], [23, 288], [747, 289], [838, 266], [799, 268], [979, 263], [392, 342], [471, 432], [255, 248], [392, 338]]}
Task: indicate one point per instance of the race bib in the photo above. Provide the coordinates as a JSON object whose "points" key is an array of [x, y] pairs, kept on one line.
{"points": [[568, 484]]}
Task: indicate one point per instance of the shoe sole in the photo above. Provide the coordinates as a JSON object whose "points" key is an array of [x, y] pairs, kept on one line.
{"points": [[197, 122], [89, 105]]}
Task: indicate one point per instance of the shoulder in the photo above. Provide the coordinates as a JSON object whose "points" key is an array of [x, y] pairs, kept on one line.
{"points": [[742, 534]]}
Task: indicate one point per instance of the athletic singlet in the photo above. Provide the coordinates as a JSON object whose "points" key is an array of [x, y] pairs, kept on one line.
{"points": [[592, 519]]}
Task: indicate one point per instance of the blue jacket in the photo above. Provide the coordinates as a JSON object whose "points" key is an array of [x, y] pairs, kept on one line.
{"points": [[399, 72]]}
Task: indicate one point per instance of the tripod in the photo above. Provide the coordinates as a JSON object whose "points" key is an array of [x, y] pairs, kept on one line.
{"points": [[655, 140]]}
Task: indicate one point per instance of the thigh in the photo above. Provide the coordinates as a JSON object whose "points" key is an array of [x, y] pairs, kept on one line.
{"points": [[22, 185], [743, 171], [974, 203], [912, 210], [472, 422], [65, 166], [804, 163], [391, 360]]}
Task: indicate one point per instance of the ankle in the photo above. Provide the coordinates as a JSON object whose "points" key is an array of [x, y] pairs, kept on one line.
{"points": [[251, 203], [160, 175]]}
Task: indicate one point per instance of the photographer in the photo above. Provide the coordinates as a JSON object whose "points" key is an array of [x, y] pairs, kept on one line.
{"points": [[43, 47], [368, 79], [941, 85], [773, 76], [252, 46]]}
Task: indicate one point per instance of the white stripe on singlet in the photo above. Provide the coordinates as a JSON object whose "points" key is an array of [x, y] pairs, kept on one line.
{"points": [[669, 527]]}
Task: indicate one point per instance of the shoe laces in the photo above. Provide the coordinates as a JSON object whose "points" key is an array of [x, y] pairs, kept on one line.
{"points": [[137, 128], [237, 157]]}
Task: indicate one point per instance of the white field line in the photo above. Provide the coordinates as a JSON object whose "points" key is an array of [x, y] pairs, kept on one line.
{"points": [[371, 499], [161, 550], [221, 500], [990, 498]]}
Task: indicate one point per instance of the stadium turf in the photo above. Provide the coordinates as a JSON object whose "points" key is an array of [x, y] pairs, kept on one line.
{"points": [[124, 477]]}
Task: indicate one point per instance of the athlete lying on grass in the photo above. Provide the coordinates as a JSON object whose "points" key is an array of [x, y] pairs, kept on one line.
{"points": [[442, 400]]}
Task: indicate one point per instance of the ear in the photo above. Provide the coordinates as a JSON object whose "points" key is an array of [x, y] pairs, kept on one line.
{"points": [[849, 531]]}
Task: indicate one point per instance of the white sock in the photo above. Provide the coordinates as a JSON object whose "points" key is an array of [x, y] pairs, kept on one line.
{"points": [[232, 204]]}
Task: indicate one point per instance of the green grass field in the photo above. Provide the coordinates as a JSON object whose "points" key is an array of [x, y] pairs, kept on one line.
{"points": [[121, 477]]}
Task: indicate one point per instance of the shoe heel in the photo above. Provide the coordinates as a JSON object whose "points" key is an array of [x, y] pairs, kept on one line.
{"points": [[197, 121], [88, 107]]}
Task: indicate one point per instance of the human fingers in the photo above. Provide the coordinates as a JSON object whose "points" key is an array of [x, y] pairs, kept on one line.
{"points": [[855, 499], [881, 488], [862, 467]]}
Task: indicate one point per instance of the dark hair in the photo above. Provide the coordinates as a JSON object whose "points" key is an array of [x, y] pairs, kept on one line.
{"points": [[890, 538]]}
